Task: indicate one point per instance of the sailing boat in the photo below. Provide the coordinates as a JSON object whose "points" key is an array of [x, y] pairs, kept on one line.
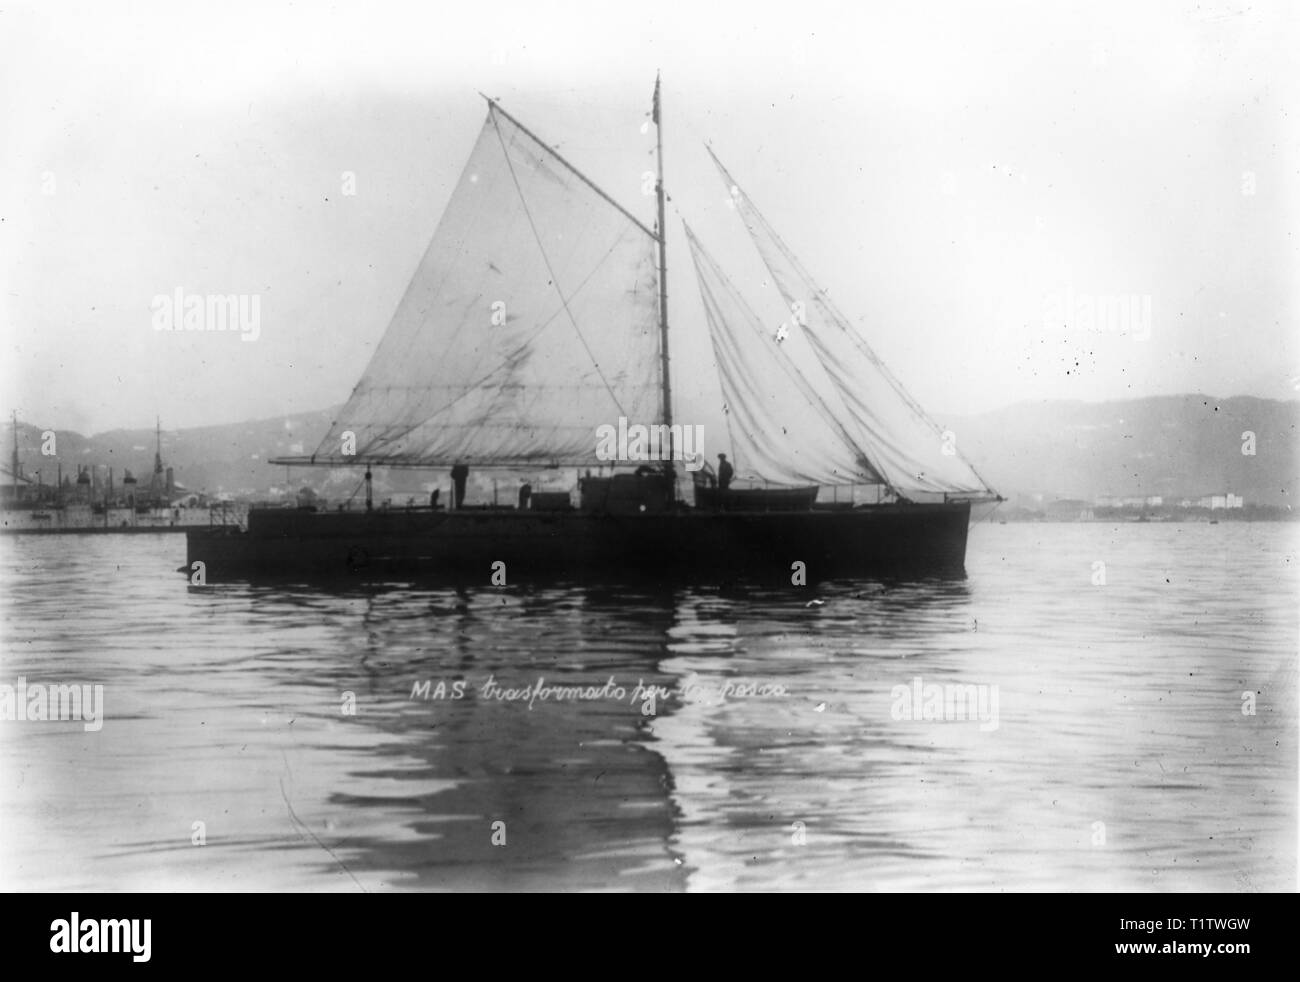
{"points": [[536, 323]]}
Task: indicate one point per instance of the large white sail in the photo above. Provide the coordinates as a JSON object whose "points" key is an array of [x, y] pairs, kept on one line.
{"points": [[530, 322], [904, 445], [781, 430]]}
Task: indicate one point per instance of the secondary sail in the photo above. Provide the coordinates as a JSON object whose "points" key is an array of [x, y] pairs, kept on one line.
{"points": [[904, 445], [530, 321], [781, 430]]}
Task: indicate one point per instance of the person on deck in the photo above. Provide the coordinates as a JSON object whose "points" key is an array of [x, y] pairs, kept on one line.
{"points": [[433, 498], [459, 474], [702, 474], [725, 471]]}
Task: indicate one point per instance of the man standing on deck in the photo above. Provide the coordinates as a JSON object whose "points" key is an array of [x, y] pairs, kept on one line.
{"points": [[702, 474], [458, 475], [724, 472]]}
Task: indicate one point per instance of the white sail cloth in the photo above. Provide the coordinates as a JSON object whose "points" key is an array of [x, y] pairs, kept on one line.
{"points": [[903, 444], [531, 321], [781, 430]]}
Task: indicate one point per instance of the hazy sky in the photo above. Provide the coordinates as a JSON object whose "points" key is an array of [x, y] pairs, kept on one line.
{"points": [[958, 176]]}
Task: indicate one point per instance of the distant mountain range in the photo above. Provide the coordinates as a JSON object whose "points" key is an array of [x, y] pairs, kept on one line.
{"points": [[1174, 446]]}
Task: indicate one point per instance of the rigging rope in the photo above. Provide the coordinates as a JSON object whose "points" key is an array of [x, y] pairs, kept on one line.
{"points": [[792, 371], [554, 279]]}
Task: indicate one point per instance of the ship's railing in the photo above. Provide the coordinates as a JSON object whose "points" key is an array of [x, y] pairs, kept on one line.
{"points": [[836, 495], [228, 514]]}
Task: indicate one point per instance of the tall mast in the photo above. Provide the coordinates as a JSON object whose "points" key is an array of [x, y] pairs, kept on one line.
{"points": [[14, 418], [669, 472]]}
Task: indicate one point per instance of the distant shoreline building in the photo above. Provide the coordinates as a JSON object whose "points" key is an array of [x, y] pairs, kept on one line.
{"points": [[1214, 502], [91, 485], [1070, 510]]}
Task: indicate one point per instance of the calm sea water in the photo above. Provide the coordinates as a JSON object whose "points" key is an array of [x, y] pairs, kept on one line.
{"points": [[278, 738]]}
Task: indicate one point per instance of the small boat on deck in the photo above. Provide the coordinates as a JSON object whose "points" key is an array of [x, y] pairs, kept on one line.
{"points": [[756, 499]]}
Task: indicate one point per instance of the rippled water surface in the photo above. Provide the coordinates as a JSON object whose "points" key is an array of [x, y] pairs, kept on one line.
{"points": [[1119, 756]]}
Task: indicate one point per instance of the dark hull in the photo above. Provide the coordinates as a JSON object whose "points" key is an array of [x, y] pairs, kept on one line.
{"points": [[757, 499], [684, 546]]}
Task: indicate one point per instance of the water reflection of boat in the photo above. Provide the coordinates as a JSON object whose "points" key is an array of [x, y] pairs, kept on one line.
{"points": [[481, 793], [590, 794]]}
